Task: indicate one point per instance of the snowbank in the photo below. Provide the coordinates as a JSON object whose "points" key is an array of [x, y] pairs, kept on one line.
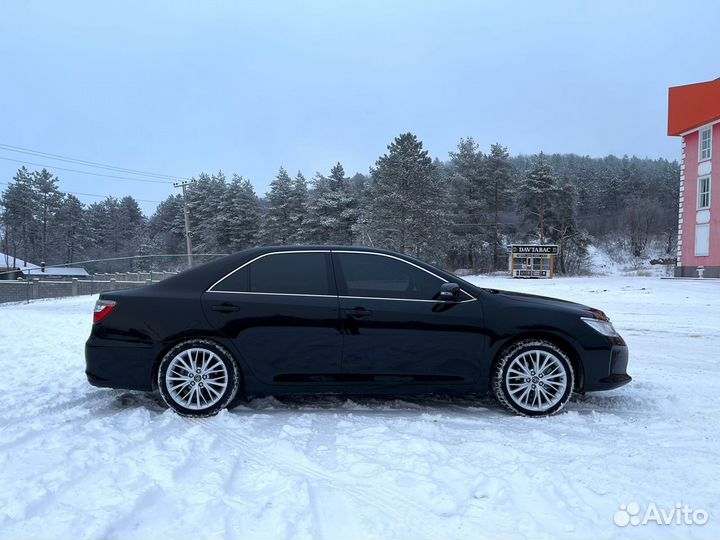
{"points": [[81, 462]]}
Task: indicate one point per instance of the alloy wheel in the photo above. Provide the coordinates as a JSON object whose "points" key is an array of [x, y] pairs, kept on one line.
{"points": [[536, 380], [196, 378]]}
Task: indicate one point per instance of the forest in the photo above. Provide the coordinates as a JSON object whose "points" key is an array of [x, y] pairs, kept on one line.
{"points": [[461, 212]]}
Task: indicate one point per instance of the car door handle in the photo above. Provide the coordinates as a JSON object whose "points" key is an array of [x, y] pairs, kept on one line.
{"points": [[225, 308], [357, 312]]}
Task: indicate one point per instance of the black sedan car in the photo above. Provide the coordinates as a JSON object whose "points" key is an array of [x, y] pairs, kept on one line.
{"points": [[325, 319]]}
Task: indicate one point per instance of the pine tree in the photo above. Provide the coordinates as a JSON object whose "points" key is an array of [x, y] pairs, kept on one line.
{"points": [[166, 227], [468, 177], [537, 193], [333, 209], [111, 233], [337, 177], [244, 212], [321, 218], [46, 201], [131, 226], [209, 225], [405, 210], [346, 206], [563, 229], [498, 171], [18, 216], [277, 225], [68, 232], [297, 209], [114, 228], [96, 231], [104, 233]]}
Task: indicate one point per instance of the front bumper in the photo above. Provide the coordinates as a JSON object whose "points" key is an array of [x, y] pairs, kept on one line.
{"points": [[606, 369], [615, 381]]}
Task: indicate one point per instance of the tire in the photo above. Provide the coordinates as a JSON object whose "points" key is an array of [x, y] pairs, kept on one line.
{"points": [[198, 378], [533, 377]]}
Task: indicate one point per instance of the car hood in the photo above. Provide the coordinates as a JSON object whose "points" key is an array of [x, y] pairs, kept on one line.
{"points": [[541, 301]]}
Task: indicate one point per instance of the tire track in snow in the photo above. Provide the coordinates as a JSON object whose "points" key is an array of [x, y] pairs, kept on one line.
{"points": [[392, 503], [47, 410], [32, 421], [317, 526], [126, 519]]}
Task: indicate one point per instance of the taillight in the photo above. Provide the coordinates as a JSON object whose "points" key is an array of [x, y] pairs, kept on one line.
{"points": [[102, 309]]}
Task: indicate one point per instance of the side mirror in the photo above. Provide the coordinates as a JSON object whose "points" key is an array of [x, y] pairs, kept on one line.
{"points": [[449, 291]]}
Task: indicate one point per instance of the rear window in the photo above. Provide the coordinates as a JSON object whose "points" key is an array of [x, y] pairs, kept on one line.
{"points": [[284, 273]]}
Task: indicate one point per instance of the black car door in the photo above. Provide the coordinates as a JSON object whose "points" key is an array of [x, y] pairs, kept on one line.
{"points": [[281, 312], [396, 332]]}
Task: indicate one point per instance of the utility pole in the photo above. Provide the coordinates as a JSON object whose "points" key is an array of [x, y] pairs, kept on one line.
{"points": [[188, 244]]}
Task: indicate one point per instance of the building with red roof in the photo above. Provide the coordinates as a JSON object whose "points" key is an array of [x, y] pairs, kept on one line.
{"points": [[694, 115]]}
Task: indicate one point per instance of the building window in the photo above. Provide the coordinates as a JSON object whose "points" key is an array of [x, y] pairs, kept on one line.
{"points": [[703, 200], [702, 240], [705, 143]]}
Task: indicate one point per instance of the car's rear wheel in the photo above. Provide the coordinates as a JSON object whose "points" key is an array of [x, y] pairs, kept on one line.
{"points": [[198, 377], [533, 377]]}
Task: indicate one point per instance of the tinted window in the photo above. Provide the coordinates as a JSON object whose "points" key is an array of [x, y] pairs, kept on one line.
{"points": [[385, 277], [236, 282], [292, 273]]}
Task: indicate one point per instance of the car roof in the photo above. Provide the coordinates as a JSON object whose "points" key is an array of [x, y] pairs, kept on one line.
{"points": [[201, 277], [324, 247]]}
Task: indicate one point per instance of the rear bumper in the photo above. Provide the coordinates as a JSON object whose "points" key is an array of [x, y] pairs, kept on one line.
{"points": [[96, 380], [129, 368]]}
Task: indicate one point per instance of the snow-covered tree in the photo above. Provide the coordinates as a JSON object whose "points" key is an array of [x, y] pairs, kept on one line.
{"points": [[297, 210], [68, 237], [346, 205], [321, 220], [209, 224], [46, 199], [468, 183], [277, 225], [498, 170], [538, 190], [18, 208], [563, 229], [130, 226], [166, 227], [333, 210], [407, 204], [243, 208]]}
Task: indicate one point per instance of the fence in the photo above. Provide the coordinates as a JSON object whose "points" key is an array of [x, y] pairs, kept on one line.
{"points": [[105, 275], [36, 288]]}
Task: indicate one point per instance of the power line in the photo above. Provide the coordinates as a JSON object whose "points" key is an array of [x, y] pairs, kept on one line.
{"points": [[87, 172], [92, 194], [96, 164]]}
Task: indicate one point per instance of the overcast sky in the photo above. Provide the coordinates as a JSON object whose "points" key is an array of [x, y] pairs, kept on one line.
{"points": [[182, 87]]}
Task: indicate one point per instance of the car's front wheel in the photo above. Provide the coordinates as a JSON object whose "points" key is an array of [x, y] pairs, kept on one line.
{"points": [[198, 378], [533, 377]]}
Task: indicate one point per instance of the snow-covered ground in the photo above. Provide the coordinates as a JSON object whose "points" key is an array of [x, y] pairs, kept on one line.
{"points": [[81, 462]]}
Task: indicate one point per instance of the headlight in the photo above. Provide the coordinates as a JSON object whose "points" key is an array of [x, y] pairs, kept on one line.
{"points": [[604, 327]]}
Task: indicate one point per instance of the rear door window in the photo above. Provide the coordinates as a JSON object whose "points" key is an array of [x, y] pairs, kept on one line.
{"points": [[283, 273]]}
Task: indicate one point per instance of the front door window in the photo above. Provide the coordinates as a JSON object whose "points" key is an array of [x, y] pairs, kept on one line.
{"points": [[369, 275]]}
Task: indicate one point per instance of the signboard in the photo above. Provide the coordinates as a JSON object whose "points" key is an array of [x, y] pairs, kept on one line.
{"points": [[535, 250], [531, 273], [532, 260]]}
